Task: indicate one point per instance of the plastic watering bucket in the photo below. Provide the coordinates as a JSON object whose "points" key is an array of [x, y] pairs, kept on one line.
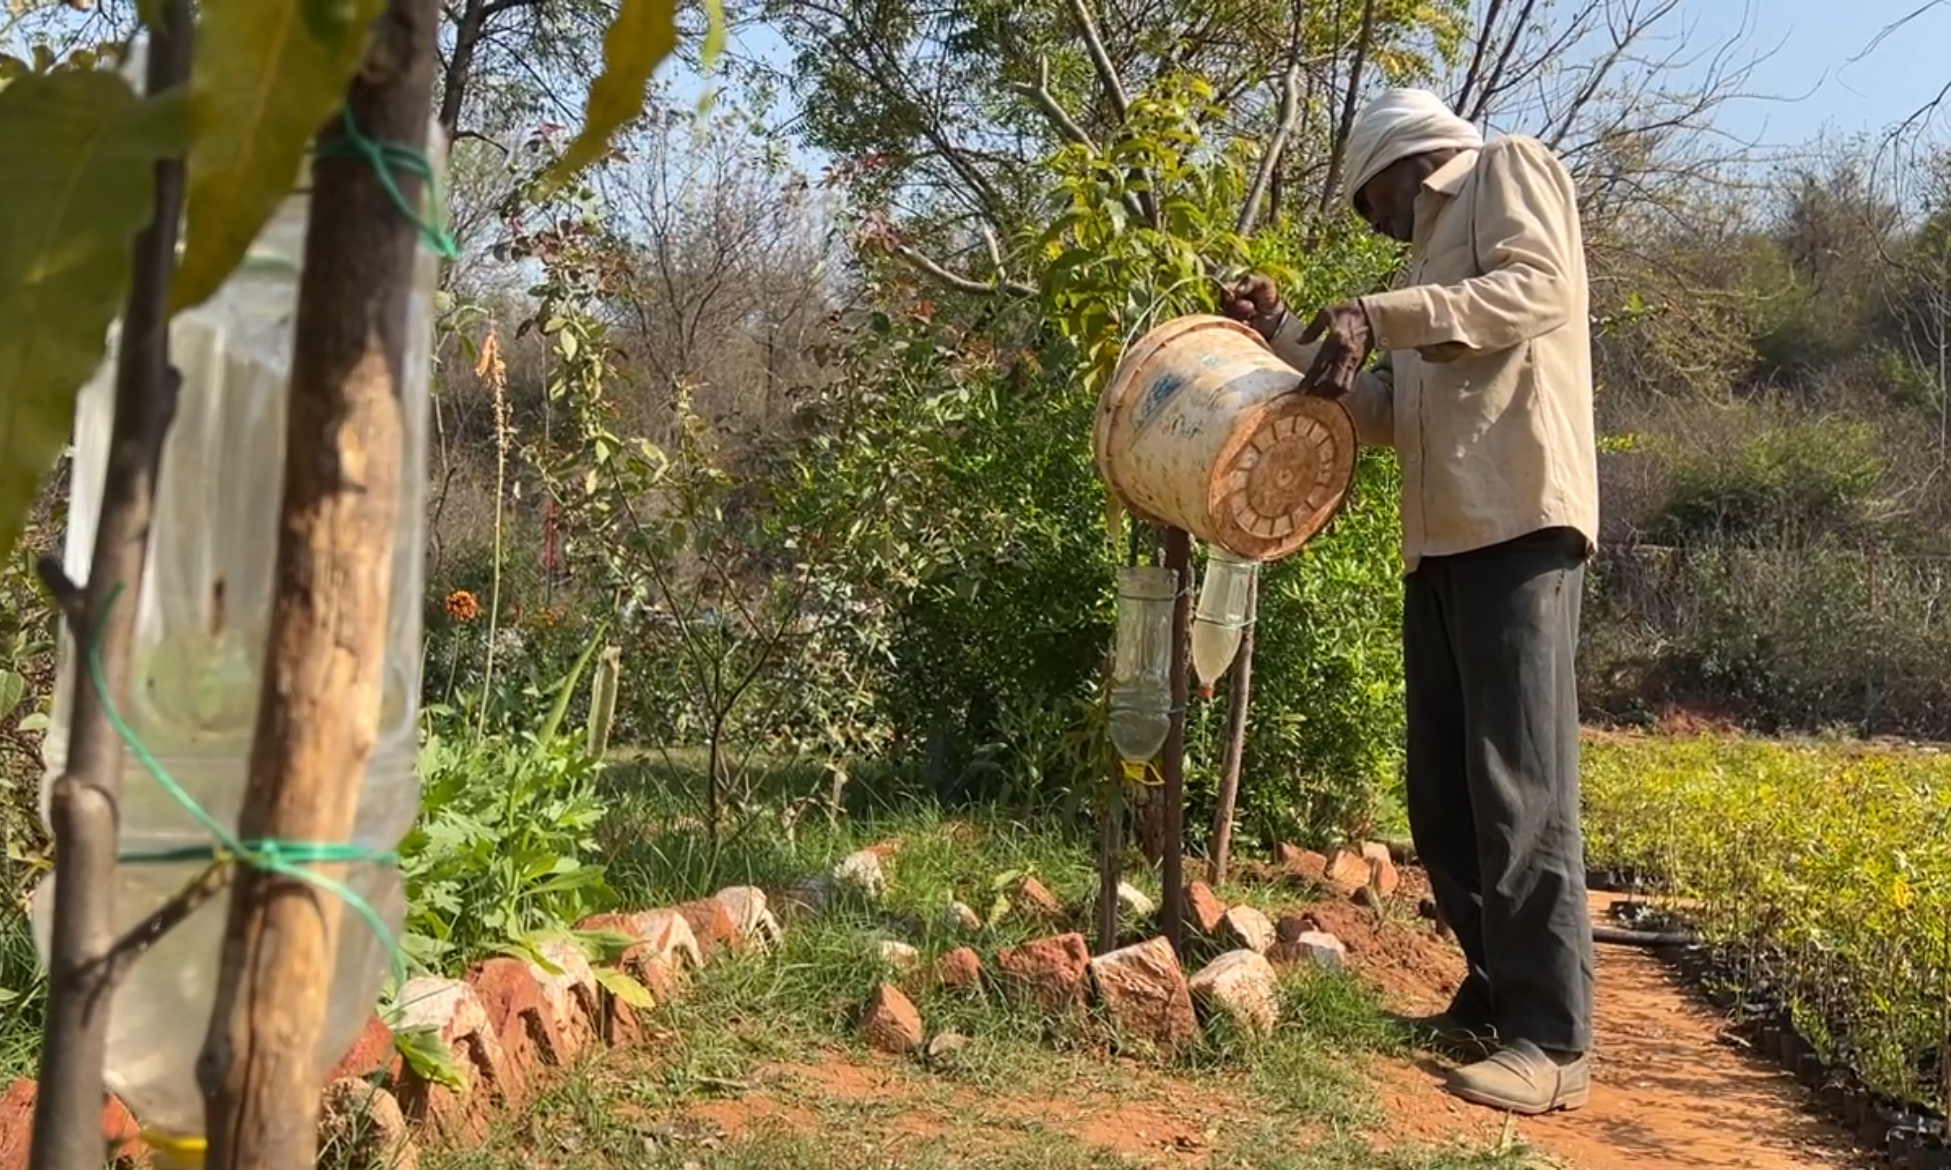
{"points": [[1200, 429]]}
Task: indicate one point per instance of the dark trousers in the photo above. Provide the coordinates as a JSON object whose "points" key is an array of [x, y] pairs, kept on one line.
{"points": [[1489, 640]]}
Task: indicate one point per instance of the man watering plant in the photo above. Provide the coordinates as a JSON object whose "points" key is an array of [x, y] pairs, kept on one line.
{"points": [[1485, 392]]}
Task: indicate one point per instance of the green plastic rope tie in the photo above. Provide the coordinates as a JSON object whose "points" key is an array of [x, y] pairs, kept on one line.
{"points": [[386, 158], [290, 859]]}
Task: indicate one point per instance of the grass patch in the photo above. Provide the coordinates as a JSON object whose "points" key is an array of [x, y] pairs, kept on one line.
{"points": [[23, 997]]}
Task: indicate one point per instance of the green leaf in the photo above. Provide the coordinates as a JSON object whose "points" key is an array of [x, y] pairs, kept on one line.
{"points": [[624, 987], [13, 689], [266, 75], [642, 35], [76, 149], [433, 1060]]}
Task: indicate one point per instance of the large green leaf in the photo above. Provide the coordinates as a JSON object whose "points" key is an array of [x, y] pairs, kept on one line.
{"points": [[644, 33], [77, 150], [266, 75]]}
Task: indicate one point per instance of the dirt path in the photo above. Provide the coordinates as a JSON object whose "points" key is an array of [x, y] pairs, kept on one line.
{"points": [[1668, 1091]]}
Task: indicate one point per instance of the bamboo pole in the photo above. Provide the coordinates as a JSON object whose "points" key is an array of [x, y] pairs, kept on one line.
{"points": [[1236, 713], [1178, 558]]}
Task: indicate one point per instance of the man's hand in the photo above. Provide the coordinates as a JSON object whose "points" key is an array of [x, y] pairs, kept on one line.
{"points": [[1256, 302], [1346, 340]]}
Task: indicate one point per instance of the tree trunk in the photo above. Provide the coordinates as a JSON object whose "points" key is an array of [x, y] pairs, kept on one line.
{"points": [[319, 707], [1178, 558], [82, 968]]}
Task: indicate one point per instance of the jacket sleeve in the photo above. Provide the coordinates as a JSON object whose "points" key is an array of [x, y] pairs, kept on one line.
{"points": [[1526, 232], [1372, 401]]}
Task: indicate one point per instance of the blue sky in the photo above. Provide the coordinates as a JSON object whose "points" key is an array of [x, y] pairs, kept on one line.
{"points": [[1816, 85], [1823, 71]]}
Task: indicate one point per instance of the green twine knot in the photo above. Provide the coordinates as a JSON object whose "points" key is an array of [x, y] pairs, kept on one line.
{"points": [[290, 859], [385, 158]]}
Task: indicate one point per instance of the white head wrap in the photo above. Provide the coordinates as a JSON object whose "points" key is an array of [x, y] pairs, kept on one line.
{"points": [[1400, 123]]}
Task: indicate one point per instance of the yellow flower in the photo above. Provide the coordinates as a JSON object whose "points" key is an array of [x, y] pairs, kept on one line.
{"points": [[462, 607]]}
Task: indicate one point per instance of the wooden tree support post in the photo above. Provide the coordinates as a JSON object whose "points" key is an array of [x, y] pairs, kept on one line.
{"points": [[83, 958], [1178, 558], [320, 701], [1236, 716]]}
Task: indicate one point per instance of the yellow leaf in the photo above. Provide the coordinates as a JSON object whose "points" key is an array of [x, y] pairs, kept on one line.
{"points": [[77, 149], [266, 75], [644, 33]]}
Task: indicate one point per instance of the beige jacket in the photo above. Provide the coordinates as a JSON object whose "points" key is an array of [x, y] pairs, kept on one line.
{"points": [[1485, 389]]}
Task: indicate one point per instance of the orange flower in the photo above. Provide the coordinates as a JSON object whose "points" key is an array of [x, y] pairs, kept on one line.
{"points": [[462, 607]]}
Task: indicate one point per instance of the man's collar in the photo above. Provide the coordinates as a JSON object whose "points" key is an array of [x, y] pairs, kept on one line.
{"points": [[1448, 178]]}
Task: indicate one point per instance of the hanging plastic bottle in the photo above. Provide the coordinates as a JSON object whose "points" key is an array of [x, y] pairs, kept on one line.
{"points": [[1141, 691], [1221, 615], [202, 617]]}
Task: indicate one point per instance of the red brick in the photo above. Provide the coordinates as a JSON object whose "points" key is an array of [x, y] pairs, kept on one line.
{"points": [[372, 1052], [119, 1129], [1048, 972], [1204, 910], [521, 1024], [1037, 901], [959, 970], [711, 925], [460, 1020], [890, 1022]]}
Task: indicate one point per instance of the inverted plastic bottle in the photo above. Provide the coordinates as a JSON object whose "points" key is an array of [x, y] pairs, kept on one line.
{"points": [[1221, 615], [1141, 694], [202, 616]]}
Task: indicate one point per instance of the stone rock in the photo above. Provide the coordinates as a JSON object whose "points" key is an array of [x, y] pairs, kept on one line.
{"points": [[371, 1055], [803, 898], [1240, 985], [1135, 902], [890, 1022], [1292, 926], [455, 1015], [1346, 869], [1319, 947], [1245, 926], [1382, 875], [1203, 908], [1144, 996], [1292, 856], [962, 916], [753, 921], [899, 955], [363, 1125], [1037, 901], [959, 970], [1048, 972], [942, 1046], [862, 871], [712, 927]]}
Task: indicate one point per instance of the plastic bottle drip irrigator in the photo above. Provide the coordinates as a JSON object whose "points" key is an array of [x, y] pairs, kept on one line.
{"points": [[202, 616], [1141, 692], [1221, 615]]}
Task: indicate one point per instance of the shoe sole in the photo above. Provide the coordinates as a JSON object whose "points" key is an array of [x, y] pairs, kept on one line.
{"points": [[1576, 1099]]}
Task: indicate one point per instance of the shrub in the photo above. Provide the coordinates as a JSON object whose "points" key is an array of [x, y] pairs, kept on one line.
{"points": [[1825, 868]]}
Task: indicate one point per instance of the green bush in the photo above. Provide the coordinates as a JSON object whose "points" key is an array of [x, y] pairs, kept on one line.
{"points": [[1825, 868]]}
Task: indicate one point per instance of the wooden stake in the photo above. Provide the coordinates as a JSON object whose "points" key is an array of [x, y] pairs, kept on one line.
{"points": [[320, 702], [1178, 558], [1236, 709], [85, 800]]}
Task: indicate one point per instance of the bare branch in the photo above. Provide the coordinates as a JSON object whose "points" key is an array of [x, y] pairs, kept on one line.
{"points": [[1290, 116], [1337, 155], [959, 282], [1046, 101]]}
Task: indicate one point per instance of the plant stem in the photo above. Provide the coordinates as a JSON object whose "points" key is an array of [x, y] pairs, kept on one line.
{"points": [[85, 801], [319, 708]]}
